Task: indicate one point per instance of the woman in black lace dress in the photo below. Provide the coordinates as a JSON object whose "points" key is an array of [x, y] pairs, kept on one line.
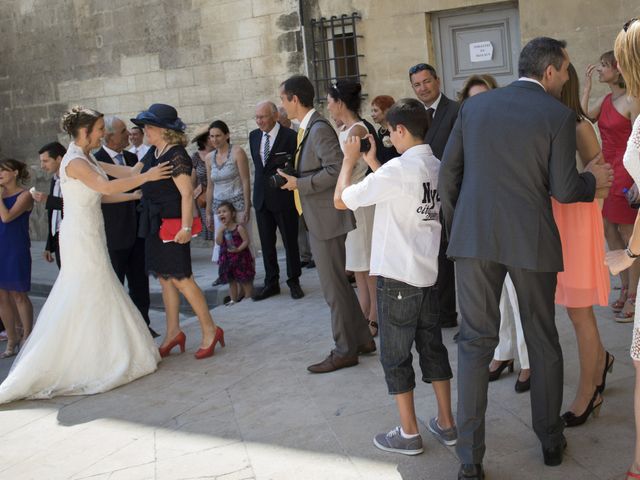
{"points": [[172, 198]]}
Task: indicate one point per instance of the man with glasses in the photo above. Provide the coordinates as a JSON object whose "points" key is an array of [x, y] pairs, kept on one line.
{"points": [[270, 144], [441, 115]]}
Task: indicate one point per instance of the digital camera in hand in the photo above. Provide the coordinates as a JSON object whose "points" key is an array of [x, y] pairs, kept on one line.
{"points": [[282, 162], [365, 145]]}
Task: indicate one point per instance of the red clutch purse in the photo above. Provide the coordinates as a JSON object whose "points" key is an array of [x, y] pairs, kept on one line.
{"points": [[171, 226]]}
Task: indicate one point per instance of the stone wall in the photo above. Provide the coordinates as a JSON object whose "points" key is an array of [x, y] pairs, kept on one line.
{"points": [[210, 59]]}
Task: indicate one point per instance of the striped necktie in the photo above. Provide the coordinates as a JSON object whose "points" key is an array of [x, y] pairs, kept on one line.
{"points": [[267, 149], [119, 159], [296, 194]]}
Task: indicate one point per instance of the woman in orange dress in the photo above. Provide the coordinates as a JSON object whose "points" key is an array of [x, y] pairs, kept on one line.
{"points": [[585, 280]]}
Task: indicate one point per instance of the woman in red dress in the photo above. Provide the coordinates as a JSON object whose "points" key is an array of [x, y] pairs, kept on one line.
{"points": [[615, 114]]}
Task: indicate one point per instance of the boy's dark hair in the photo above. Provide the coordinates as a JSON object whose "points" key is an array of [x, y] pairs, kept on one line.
{"points": [[53, 149], [538, 54], [410, 113], [301, 87]]}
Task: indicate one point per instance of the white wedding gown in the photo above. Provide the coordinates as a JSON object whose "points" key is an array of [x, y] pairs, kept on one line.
{"points": [[89, 336]]}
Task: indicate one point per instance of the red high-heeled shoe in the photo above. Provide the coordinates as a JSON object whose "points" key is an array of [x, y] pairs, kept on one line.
{"points": [[179, 339], [208, 352]]}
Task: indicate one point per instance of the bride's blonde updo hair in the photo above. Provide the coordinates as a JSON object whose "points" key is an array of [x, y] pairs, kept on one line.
{"points": [[79, 117]]}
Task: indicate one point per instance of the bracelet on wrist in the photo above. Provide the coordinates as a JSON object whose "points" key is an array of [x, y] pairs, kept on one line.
{"points": [[186, 229], [630, 254]]}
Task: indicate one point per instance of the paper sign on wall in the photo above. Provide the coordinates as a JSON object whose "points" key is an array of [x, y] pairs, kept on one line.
{"points": [[481, 51]]}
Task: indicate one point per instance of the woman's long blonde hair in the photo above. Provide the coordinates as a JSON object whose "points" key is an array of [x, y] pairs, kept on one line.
{"points": [[627, 50]]}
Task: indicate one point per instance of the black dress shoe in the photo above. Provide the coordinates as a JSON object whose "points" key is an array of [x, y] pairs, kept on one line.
{"points": [[553, 456], [303, 264], [333, 363], [449, 323], [266, 292], [311, 264], [296, 291], [153, 333], [470, 471]]}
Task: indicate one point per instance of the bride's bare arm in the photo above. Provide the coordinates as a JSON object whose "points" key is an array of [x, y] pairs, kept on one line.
{"points": [[79, 169], [120, 171]]}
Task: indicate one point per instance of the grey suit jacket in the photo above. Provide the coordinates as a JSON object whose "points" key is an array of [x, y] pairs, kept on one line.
{"points": [[510, 148], [318, 169]]}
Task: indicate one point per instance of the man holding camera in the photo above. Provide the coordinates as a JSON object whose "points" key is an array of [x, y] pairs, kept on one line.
{"points": [[272, 146], [317, 164]]}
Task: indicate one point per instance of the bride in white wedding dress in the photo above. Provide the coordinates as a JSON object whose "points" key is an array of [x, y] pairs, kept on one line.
{"points": [[89, 336]]}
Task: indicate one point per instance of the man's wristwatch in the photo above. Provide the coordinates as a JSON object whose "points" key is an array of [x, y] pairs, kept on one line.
{"points": [[186, 229], [630, 254]]}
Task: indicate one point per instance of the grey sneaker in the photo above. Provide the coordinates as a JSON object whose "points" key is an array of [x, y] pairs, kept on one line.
{"points": [[396, 443], [448, 437]]}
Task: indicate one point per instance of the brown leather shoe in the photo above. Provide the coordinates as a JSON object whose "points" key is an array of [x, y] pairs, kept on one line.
{"points": [[333, 363], [367, 348]]}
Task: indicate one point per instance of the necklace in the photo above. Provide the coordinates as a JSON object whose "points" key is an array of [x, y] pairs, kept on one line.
{"points": [[158, 155]]}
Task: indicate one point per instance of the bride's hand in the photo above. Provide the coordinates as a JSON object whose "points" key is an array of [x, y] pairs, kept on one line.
{"points": [[183, 236], [159, 172]]}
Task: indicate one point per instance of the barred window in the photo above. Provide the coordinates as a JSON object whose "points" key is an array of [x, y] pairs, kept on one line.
{"points": [[334, 52]]}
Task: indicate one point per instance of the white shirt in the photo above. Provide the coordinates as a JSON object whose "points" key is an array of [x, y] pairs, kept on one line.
{"points": [[140, 151], [273, 133], [435, 104], [307, 118], [113, 154], [532, 80], [406, 226]]}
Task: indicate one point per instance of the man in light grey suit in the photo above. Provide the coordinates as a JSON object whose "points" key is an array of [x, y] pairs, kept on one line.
{"points": [[509, 150], [317, 163]]}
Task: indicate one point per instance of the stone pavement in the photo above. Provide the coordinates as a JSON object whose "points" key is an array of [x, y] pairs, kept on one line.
{"points": [[253, 412]]}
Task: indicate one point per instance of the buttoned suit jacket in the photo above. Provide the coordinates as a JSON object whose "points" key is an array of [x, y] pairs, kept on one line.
{"points": [[510, 150], [264, 196], [441, 126], [318, 168], [120, 222]]}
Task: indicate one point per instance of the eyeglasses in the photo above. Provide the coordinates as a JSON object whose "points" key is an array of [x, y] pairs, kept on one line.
{"points": [[626, 26]]}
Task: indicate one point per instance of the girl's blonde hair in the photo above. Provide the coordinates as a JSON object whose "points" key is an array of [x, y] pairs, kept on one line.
{"points": [[627, 50], [174, 137]]}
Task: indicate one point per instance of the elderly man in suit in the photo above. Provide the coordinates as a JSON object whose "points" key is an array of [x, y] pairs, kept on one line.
{"points": [[494, 185], [271, 144], [441, 115], [126, 249], [317, 163], [50, 159]]}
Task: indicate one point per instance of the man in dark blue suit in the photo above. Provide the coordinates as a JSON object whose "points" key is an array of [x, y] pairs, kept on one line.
{"points": [[270, 145]]}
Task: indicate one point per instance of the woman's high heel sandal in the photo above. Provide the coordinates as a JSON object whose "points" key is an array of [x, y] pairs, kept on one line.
{"points": [[179, 339], [11, 351], [495, 374], [208, 352], [631, 474], [608, 368], [618, 305], [573, 420]]}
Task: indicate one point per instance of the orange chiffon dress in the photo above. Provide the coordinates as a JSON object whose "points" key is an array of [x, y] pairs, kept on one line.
{"points": [[585, 279]]}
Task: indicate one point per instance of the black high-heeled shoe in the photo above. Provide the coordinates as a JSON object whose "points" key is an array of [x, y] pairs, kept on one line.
{"points": [[608, 368], [573, 420], [495, 374], [524, 385]]}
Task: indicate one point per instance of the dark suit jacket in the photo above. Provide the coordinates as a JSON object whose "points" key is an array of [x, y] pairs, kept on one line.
{"points": [[443, 121], [120, 221], [318, 169], [52, 203], [508, 150], [264, 196]]}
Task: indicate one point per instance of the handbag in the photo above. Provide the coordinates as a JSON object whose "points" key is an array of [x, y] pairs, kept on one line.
{"points": [[171, 226]]}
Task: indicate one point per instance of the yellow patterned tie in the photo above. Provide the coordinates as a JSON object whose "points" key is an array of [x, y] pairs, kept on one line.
{"points": [[296, 194]]}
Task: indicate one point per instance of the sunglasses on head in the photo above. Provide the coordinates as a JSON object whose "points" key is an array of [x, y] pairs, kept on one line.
{"points": [[418, 68], [626, 26]]}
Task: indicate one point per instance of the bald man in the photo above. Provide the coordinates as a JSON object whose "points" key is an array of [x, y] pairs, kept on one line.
{"points": [[271, 144]]}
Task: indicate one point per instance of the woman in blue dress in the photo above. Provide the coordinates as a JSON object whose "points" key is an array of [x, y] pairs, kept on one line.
{"points": [[15, 261]]}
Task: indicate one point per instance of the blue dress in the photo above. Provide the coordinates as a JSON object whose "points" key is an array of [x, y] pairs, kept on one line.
{"points": [[15, 244]]}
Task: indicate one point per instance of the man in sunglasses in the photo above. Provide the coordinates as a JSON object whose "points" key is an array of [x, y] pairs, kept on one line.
{"points": [[441, 115]]}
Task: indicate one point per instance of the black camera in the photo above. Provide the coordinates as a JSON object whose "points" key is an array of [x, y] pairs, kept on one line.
{"points": [[365, 145], [282, 162]]}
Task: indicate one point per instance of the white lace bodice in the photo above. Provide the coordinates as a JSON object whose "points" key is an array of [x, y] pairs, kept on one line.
{"points": [[631, 157]]}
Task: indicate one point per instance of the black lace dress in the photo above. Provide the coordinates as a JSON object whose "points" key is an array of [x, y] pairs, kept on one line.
{"points": [[160, 200]]}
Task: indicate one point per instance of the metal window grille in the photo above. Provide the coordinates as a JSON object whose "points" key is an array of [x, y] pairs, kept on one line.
{"points": [[335, 51]]}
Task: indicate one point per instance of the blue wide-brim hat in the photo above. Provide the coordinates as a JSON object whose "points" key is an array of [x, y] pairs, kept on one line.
{"points": [[160, 115]]}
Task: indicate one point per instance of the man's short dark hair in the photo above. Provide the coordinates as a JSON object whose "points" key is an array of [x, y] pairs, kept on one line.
{"points": [[53, 149], [301, 87], [538, 54], [421, 67], [409, 113]]}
